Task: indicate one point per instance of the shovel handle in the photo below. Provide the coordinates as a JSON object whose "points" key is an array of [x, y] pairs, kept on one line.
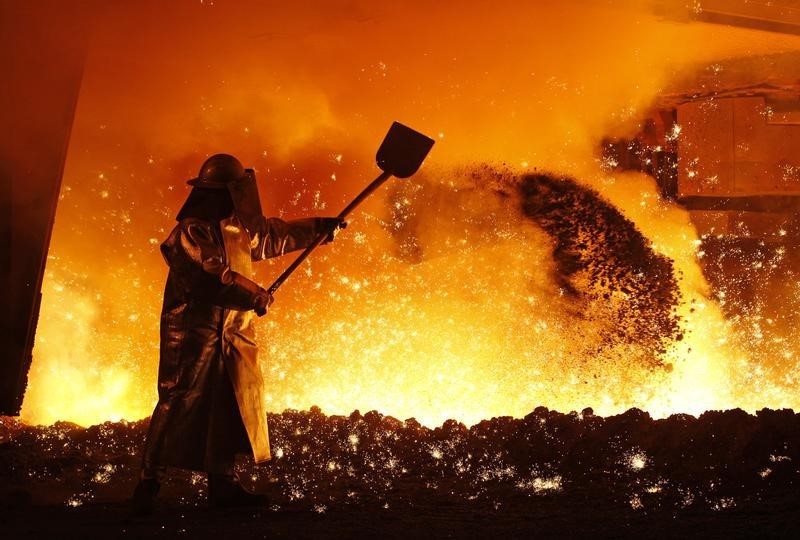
{"points": [[321, 238]]}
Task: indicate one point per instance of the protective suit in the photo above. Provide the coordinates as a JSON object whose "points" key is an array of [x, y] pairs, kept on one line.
{"points": [[210, 389]]}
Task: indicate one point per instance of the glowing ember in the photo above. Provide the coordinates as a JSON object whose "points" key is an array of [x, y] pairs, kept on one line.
{"points": [[637, 461]]}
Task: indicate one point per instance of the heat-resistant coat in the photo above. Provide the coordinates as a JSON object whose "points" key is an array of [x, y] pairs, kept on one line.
{"points": [[208, 339]]}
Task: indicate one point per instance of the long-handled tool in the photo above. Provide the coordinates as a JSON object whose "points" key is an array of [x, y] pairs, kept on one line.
{"points": [[401, 153]]}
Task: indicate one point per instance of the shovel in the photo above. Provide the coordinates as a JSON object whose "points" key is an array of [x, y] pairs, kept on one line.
{"points": [[401, 153]]}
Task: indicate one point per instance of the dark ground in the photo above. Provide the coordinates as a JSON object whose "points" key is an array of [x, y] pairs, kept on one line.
{"points": [[723, 475]]}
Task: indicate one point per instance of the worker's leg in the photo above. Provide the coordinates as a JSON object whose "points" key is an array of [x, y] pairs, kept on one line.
{"points": [[144, 495], [227, 438]]}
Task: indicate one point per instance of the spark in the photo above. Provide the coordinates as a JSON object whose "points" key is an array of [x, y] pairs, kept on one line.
{"points": [[637, 461]]}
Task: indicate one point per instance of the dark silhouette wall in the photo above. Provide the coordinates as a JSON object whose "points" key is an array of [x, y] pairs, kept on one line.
{"points": [[42, 52]]}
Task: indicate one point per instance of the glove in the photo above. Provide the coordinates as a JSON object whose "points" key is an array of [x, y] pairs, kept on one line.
{"points": [[261, 302], [331, 225], [246, 292]]}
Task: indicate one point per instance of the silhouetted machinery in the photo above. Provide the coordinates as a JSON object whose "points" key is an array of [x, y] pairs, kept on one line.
{"points": [[724, 142], [42, 59]]}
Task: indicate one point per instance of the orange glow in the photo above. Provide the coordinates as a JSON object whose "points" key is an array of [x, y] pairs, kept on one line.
{"points": [[472, 327]]}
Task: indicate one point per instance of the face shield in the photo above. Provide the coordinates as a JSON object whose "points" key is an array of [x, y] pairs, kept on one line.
{"points": [[246, 201]]}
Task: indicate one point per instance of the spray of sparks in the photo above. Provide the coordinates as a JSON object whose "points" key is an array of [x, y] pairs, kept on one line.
{"points": [[444, 298]]}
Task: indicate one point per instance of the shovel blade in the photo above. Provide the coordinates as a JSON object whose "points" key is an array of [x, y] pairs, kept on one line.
{"points": [[403, 150]]}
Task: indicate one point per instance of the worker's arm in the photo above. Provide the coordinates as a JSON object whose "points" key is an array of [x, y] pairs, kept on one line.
{"points": [[195, 253], [274, 237]]}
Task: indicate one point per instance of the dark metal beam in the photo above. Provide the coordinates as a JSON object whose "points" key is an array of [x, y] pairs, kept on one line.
{"points": [[780, 16], [43, 47]]}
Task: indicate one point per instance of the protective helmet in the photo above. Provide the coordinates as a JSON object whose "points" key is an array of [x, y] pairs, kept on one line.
{"points": [[217, 171]]}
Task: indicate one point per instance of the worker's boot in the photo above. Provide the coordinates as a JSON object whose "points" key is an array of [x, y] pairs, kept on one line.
{"points": [[144, 496], [225, 491]]}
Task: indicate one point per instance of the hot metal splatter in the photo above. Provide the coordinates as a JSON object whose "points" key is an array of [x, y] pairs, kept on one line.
{"points": [[607, 264]]}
